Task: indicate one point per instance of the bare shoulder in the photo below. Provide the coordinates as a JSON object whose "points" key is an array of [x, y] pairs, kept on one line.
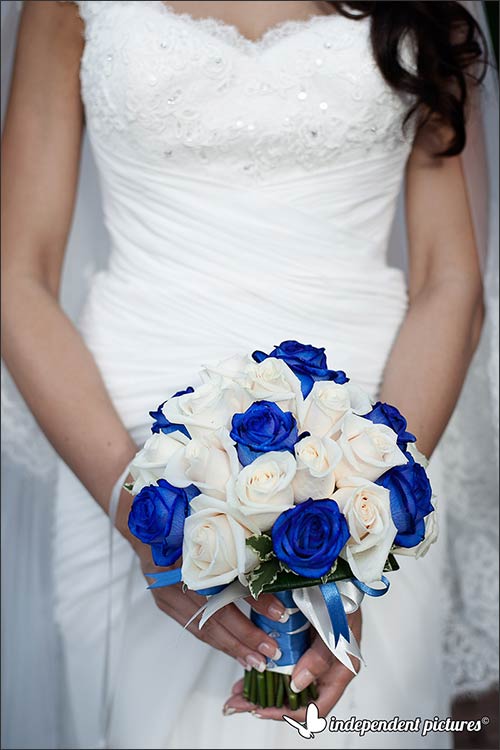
{"points": [[54, 21], [49, 49], [42, 135]]}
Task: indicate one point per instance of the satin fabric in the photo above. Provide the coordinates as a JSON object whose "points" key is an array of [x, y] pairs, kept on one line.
{"points": [[205, 263], [199, 271]]}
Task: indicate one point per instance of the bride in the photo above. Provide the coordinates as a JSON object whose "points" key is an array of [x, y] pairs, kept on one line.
{"points": [[250, 158]]}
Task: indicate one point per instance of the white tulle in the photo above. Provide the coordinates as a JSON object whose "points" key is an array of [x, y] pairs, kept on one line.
{"points": [[240, 212], [472, 434]]}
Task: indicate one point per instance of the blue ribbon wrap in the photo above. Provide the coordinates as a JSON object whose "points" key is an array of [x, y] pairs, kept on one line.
{"points": [[291, 643], [293, 636]]}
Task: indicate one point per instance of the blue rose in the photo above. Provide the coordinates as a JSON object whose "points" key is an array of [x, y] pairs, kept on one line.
{"points": [[309, 537], [390, 416], [157, 518], [307, 362], [163, 424], [262, 428], [410, 497]]}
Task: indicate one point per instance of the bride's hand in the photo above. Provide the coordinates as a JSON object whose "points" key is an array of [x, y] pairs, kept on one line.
{"points": [[317, 665], [228, 630]]}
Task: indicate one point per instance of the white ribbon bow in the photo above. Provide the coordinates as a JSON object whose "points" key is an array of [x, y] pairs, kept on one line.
{"points": [[311, 603]]}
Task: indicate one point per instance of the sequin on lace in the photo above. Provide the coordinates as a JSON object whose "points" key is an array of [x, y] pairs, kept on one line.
{"points": [[195, 92]]}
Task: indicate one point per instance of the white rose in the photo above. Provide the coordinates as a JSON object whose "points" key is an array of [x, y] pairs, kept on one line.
{"points": [[367, 509], [210, 407], [272, 380], [263, 489], [207, 462], [316, 462], [327, 405], [150, 462], [369, 449], [229, 369], [214, 550], [431, 534]]}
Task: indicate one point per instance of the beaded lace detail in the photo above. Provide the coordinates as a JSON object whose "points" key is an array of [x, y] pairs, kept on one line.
{"points": [[195, 92], [232, 35]]}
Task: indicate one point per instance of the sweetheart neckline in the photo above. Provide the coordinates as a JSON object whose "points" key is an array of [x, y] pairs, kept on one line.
{"points": [[230, 33]]}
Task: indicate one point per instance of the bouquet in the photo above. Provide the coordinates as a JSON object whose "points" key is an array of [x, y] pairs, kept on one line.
{"points": [[277, 474]]}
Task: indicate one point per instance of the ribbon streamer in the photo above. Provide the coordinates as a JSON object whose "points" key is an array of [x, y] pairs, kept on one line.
{"points": [[166, 578], [371, 591], [311, 602], [335, 607], [325, 607]]}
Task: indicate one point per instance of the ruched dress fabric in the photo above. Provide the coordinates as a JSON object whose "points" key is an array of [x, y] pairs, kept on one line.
{"points": [[248, 190]]}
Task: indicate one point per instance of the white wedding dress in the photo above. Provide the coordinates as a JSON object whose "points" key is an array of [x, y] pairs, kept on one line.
{"points": [[249, 190]]}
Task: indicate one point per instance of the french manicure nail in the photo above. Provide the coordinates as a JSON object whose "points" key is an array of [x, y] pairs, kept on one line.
{"points": [[245, 666], [276, 613], [268, 650], [257, 716], [301, 681], [256, 663], [228, 711]]}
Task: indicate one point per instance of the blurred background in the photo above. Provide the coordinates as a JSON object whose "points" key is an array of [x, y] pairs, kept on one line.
{"points": [[45, 722], [485, 705], [492, 13]]}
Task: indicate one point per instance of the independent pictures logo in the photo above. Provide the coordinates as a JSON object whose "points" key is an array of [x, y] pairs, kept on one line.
{"points": [[315, 724]]}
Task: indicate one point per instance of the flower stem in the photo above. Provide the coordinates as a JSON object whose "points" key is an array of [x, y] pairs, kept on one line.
{"points": [[270, 687], [313, 689], [293, 698], [280, 691], [246, 684], [261, 689], [304, 697], [253, 686]]}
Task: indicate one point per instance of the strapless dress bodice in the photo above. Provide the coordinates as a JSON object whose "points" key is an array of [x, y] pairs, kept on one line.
{"points": [[248, 189], [184, 96]]}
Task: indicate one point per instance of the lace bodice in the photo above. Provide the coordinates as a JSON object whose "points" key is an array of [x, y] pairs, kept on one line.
{"points": [[194, 94]]}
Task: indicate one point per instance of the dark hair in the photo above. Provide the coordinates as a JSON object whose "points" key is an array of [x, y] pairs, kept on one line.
{"points": [[450, 44]]}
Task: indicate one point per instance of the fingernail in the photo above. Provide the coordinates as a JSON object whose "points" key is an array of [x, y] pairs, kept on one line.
{"points": [[257, 716], [268, 650], [245, 666], [228, 711], [301, 681], [255, 663], [276, 613]]}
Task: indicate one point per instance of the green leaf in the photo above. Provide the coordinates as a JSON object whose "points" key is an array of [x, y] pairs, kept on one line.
{"points": [[262, 545], [128, 487], [341, 571], [263, 576]]}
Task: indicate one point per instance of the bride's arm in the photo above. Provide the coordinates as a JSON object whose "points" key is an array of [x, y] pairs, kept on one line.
{"points": [[40, 157], [52, 367], [431, 354]]}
